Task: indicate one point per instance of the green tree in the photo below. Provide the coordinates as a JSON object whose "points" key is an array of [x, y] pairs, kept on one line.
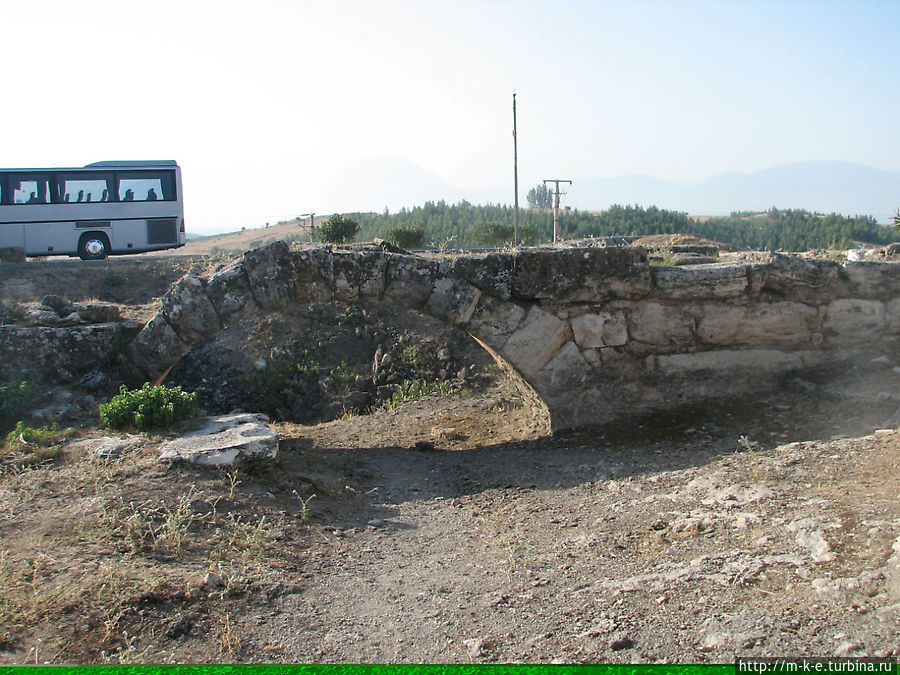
{"points": [[897, 220], [539, 197], [406, 236], [338, 229]]}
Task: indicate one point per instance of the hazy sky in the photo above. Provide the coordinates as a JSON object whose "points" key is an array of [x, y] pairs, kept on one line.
{"points": [[279, 107]]}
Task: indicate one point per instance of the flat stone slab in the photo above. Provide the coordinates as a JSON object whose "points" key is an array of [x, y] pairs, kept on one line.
{"points": [[227, 440], [106, 447]]}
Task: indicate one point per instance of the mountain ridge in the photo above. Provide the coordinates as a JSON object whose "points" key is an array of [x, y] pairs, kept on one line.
{"points": [[842, 187]]}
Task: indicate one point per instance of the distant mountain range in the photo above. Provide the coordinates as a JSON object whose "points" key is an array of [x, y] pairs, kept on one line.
{"points": [[825, 187]]}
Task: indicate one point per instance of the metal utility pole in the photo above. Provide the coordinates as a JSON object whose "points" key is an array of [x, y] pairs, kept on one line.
{"points": [[556, 204], [312, 225], [515, 173]]}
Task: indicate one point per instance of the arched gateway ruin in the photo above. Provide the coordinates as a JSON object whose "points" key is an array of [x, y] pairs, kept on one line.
{"points": [[597, 333]]}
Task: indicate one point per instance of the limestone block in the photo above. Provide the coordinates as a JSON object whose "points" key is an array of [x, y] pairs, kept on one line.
{"points": [[581, 275], [871, 280], [409, 281], [312, 275], [657, 324], [756, 325], [156, 347], [230, 293], [567, 371], [804, 280], [492, 274], [536, 341], [453, 300], [358, 276], [848, 320], [189, 311], [734, 361], [270, 275], [241, 439], [717, 280], [602, 329], [493, 321]]}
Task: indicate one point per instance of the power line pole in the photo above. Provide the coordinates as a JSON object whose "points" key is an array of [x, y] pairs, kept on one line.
{"points": [[515, 173], [312, 225], [556, 204]]}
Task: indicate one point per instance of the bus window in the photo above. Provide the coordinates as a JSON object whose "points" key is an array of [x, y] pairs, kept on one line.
{"points": [[30, 190], [75, 189], [146, 186]]}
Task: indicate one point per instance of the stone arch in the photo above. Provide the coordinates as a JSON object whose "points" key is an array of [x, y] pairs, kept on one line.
{"points": [[270, 278], [592, 334]]}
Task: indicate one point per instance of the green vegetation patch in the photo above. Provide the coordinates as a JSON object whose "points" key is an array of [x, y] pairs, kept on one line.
{"points": [[413, 389], [34, 446], [465, 224], [148, 407]]}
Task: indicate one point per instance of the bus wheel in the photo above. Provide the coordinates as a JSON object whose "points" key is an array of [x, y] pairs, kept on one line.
{"points": [[93, 246]]}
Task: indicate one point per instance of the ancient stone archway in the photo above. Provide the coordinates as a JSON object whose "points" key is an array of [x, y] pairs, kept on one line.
{"points": [[596, 333]]}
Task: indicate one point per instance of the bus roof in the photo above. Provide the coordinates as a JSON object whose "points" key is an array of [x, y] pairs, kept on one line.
{"points": [[133, 163], [113, 164]]}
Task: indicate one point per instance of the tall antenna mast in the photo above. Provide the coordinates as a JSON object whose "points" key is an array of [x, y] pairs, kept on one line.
{"points": [[515, 173]]}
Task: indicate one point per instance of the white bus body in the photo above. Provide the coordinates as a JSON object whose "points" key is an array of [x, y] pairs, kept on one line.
{"points": [[106, 208]]}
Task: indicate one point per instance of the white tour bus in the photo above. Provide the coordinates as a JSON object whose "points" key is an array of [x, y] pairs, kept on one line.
{"points": [[105, 208]]}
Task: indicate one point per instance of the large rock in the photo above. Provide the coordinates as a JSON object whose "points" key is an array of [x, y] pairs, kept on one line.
{"points": [[244, 440], [62, 354], [717, 280], [581, 275], [536, 341], [189, 311], [774, 323]]}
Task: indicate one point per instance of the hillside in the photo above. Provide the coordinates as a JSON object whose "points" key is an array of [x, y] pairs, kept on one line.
{"points": [[244, 240]]}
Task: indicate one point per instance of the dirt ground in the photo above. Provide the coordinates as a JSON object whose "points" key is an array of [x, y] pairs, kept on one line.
{"points": [[450, 530]]}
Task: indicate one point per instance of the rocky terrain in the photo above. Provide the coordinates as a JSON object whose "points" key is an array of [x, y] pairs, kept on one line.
{"points": [[451, 528]]}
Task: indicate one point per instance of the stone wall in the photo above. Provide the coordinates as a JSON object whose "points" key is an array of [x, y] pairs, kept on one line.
{"points": [[597, 333]]}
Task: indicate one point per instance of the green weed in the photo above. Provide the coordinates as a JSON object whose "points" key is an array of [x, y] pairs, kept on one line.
{"points": [[411, 356], [414, 389], [148, 407], [36, 445]]}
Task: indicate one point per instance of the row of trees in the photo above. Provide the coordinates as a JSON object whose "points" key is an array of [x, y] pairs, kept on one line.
{"points": [[463, 224]]}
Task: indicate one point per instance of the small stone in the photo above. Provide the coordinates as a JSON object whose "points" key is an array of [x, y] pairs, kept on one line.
{"points": [[213, 580], [847, 648], [476, 647], [620, 642], [375, 522]]}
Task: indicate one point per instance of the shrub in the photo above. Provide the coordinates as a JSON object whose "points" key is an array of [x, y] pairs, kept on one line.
{"points": [[15, 398], [338, 229], [148, 407], [406, 237]]}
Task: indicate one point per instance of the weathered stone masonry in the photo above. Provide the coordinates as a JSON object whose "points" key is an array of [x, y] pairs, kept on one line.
{"points": [[596, 332]]}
